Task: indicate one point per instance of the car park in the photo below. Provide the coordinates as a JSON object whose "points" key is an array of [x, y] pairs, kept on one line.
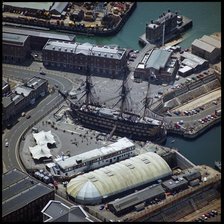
{"points": [[215, 212]]}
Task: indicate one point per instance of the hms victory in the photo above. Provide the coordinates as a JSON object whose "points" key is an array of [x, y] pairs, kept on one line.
{"points": [[117, 121]]}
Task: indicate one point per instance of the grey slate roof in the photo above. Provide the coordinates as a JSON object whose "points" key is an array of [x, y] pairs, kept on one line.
{"points": [[20, 189], [38, 33], [85, 48], [158, 59], [14, 38]]}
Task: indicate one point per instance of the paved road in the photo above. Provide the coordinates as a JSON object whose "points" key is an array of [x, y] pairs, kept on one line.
{"points": [[10, 156]]}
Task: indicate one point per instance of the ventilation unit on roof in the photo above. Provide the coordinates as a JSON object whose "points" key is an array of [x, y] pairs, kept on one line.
{"points": [[53, 48], [111, 55], [65, 49], [59, 48], [99, 54], [105, 55]]}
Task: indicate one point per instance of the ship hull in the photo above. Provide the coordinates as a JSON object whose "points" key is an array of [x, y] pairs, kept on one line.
{"points": [[124, 128]]}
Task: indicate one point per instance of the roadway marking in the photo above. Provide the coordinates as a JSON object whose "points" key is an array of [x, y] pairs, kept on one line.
{"points": [[52, 100]]}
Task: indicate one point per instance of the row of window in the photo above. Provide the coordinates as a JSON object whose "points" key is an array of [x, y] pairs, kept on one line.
{"points": [[101, 159]]}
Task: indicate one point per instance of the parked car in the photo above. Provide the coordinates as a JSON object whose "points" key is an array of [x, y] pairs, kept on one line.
{"points": [[28, 116]]}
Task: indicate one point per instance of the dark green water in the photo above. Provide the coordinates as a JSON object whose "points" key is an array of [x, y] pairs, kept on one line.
{"points": [[206, 18]]}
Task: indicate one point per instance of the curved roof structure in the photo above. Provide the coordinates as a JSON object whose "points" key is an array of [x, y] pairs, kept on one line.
{"points": [[92, 187]]}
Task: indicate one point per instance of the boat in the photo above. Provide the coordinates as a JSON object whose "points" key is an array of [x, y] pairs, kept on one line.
{"points": [[118, 121], [173, 141], [218, 165]]}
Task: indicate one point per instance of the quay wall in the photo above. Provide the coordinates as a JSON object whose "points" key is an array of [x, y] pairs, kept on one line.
{"points": [[78, 30], [188, 134], [200, 131]]}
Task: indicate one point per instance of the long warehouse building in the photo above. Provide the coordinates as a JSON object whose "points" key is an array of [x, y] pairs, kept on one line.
{"points": [[119, 178]]}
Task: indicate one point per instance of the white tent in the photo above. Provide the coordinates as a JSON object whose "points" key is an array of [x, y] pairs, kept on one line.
{"points": [[39, 151], [42, 138]]}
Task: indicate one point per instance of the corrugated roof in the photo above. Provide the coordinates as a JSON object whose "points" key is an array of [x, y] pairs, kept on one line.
{"points": [[211, 40], [93, 186], [203, 45], [193, 57], [137, 197], [158, 59]]}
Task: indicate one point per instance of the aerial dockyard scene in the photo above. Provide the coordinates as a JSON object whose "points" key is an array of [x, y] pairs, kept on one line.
{"points": [[111, 112]]}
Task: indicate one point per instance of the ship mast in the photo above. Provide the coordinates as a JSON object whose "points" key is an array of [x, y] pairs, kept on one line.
{"points": [[147, 100], [123, 96], [88, 92]]}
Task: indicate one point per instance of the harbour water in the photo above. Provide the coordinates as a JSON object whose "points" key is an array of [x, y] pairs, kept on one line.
{"points": [[206, 18]]}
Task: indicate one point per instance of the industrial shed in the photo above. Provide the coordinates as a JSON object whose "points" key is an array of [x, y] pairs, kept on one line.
{"points": [[208, 48], [93, 187], [128, 203]]}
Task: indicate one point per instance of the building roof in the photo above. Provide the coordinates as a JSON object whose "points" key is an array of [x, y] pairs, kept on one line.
{"points": [[35, 82], [193, 58], [42, 34], [137, 197], [17, 98], [158, 59], [23, 89], [173, 184], [85, 48], [122, 143], [93, 186], [59, 212], [7, 100], [59, 7], [203, 45], [20, 189], [16, 39], [211, 40], [30, 5], [185, 68]]}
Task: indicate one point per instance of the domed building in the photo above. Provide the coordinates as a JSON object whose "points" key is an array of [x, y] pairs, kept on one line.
{"points": [[93, 187]]}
